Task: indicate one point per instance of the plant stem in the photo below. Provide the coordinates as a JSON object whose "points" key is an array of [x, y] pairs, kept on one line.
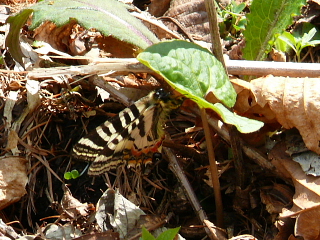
{"points": [[213, 168], [214, 31]]}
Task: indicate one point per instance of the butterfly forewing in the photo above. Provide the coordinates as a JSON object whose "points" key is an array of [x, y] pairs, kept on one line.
{"points": [[130, 137]]}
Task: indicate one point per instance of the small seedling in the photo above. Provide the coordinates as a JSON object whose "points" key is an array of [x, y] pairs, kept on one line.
{"points": [[166, 235], [233, 20], [71, 175], [296, 42]]}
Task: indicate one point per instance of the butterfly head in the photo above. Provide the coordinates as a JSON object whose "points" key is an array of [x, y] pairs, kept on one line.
{"points": [[166, 99]]}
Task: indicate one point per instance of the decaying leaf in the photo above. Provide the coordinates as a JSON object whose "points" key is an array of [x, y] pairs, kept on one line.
{"points": [[306, 199], [67, 231], [121, 214], [276, 197], [309, 162], [72, 208], [13, 179], [118, 213], [193, 16], [293, 102]]}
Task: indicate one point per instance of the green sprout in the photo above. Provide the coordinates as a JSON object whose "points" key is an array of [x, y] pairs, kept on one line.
{"points": [[232, 20], [296, 42]]}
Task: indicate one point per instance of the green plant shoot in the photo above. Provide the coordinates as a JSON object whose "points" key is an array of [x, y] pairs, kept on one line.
{"points": [[297, 43], [233, 21], [266, 19]]}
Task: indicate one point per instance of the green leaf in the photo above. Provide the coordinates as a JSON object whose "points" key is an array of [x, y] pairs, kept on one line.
{"points": [[146, 235], [168, 234], [289, 39], [281, 45], [195, 72], [110, 17], [12, 40], [75, 174], [71, 175], [313, 43], [267, 18], [67, 175], [243, 124], [238, 8], [308, 36], [190, 68]]}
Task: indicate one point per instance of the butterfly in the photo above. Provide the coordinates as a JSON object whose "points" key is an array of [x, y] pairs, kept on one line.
{"points": [[133, 137]]}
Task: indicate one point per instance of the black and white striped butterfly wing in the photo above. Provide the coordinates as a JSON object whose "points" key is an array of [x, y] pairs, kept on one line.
{"points": [[106, 136], [132, 150], [131, 137]]}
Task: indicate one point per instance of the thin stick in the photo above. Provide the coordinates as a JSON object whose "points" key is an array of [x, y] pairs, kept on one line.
{"points": [[235, 67], [237, 156], [178, 172], [214, 30], [213, 168]]}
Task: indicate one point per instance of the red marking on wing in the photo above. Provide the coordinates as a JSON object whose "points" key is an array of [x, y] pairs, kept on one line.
{"points": [[154, 148]]}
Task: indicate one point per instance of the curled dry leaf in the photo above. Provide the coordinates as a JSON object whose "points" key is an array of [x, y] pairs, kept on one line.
{"points": [[13, 179], [293, 102]]}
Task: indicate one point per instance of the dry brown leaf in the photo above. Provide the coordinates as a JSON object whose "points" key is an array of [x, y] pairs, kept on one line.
{"points": [[306, 199], [276, 197], [107, 235], [192, 15], [244, 237], [58, 231], [59, 39], [158, 8], [13, 179], [71, 207], [12, 143], [285, 227], [156, 25], [307, 224], [293, 102]]}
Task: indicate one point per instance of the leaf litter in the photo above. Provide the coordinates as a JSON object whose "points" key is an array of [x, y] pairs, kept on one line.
{"points": [[43, 132]]}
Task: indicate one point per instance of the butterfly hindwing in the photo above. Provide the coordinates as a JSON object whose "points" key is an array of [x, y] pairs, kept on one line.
{"points": [[128, 138]]}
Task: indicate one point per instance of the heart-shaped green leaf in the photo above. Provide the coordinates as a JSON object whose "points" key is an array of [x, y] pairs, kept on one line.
{"points": [[195, 72]]}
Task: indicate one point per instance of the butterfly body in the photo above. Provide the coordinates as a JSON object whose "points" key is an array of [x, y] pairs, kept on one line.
{"points": [[131, 137]]}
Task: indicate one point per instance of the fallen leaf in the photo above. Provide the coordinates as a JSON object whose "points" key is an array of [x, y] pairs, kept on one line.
{"points": [[193, 16], [54, 231], [293, 102], [72, 208], [306, 207], [307, 224], [13, 179]]}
